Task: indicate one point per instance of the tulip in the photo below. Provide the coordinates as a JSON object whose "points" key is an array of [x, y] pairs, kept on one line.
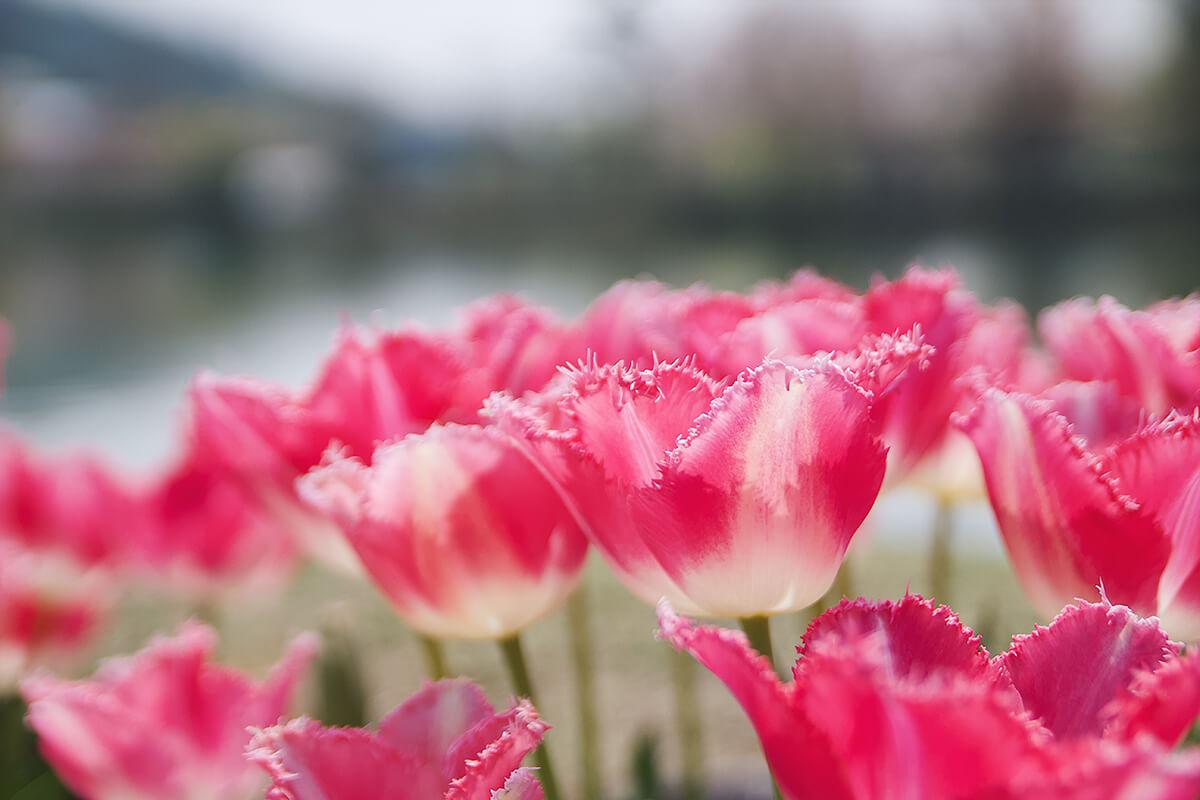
{"points": [[50, 607], [208, 536], [457, 527], [898, 700], [1152, 356], [445, 741], [1074, 517], [730, 500], [166, 722]]}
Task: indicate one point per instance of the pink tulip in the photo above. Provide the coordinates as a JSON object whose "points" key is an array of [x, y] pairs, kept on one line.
{"points": [[899, 700], [376, 386], [264, 438], [1152, 356], [50, 607], [458, 528], [208, 536], [640, 322], [731, 501], [73, 507], [1075, 517], [445, 741], [166, 722]]}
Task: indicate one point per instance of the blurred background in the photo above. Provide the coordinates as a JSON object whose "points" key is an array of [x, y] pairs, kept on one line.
{"points": [[211, 182], [190, 184]]}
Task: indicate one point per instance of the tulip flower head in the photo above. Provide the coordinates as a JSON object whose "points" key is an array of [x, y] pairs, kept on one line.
{"points": [[1074, 517], [445, 741], [1152, 356], [732, 500], [461, 531], [899, 700], [166, 722]]}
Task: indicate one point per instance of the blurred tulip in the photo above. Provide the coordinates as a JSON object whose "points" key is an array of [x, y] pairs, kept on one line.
{"points": [[1152, 356], [73, 507], [898, 700], [457, 527], [209, 538], [166, 722], [445, 741], [50, 607]]}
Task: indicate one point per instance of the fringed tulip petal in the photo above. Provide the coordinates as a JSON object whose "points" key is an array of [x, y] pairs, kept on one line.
{"points": [[307, 761], [930, 739], [1066, 524], [1163, 703], [1068, 672], [918, 637], [755, 508], [513, 735]]}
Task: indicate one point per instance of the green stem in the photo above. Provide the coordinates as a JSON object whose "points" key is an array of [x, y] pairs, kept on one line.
{"points": [[758, 631], [940, 550], [22, 771], [689, 722], [518, 672], [583, 658], [434, 657]]}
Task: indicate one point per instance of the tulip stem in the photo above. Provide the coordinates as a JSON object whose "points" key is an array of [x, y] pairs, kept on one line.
{"points": [[689, 721], [518, 673], [758, 631], [583, 656], [940, 550], [435, 658]]}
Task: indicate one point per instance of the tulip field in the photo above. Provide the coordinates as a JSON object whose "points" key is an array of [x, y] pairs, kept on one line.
{"points": [[691, 543]]}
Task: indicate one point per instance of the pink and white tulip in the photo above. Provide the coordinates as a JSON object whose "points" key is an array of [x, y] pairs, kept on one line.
{"points": [[899, 700], [445, 741], [458, 527], [166, 722], [730, 501], [1075, 517]]}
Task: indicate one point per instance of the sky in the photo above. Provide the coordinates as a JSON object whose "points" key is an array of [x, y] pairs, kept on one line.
{"points": [[456, 61]]}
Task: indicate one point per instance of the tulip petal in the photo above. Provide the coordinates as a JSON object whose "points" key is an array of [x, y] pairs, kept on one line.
{"points": [[918, 638], [797, 752], [627, 418], [902, 739], [1068, 672], [307, 761], [756, 506], [428, 723], [512, 736], [1160, 466], [1164, 703], [1065, 522]]}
